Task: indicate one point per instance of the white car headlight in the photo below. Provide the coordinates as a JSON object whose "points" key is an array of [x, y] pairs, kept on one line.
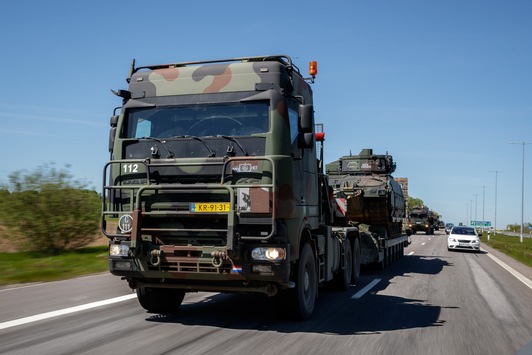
{"points": [[118, 250], [269, 254]]}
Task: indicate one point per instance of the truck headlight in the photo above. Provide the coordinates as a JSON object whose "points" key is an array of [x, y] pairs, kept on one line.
{"points": [[269, 254], [118, 250]]}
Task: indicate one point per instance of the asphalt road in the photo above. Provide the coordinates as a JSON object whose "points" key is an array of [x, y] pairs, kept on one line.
{"points": [[431, 301]]}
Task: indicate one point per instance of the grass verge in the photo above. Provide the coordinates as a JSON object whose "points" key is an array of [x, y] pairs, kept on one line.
{"points": [[511, 246], [22, 267]]}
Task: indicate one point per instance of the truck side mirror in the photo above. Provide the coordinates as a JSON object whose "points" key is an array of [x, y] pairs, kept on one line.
{"points": [[112, 134], [113, 122], [306, 118]]}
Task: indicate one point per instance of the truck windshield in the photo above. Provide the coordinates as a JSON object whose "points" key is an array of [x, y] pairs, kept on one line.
{"points": [[416, 215], [238, 119]]}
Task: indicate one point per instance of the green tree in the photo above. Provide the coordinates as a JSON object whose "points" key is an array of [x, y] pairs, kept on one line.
{"points": [[46, 210], [413, 202]]}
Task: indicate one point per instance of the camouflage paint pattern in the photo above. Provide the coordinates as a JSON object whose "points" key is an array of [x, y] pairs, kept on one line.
{"points": [[270, 204]]}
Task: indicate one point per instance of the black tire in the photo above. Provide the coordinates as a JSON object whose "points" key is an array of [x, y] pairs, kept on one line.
{"points": [[160, 300], [343, 278], [302, 298], [381, 265], [355, 275]]}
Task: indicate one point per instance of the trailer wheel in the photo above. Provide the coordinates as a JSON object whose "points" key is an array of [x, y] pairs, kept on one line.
{"points": [[344, 276], [355, 275], [160, 300]]}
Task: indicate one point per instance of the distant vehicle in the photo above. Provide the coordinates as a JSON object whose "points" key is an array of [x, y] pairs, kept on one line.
{"points": [[442, 224], [465, 238], [448, 227], [421, 219]]}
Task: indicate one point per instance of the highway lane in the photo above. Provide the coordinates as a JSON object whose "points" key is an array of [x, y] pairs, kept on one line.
{"points": [[432, 301]]}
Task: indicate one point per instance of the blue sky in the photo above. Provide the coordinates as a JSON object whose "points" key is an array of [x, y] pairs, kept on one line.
{"points": [[443, 86]]}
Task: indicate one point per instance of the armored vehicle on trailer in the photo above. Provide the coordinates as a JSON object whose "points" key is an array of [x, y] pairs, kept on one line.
{"points": [[365, 187], [215, 179]]}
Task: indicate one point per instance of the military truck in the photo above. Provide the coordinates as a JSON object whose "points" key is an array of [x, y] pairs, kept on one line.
{"points": [[373, 201], [216, 183], [421, 219]]}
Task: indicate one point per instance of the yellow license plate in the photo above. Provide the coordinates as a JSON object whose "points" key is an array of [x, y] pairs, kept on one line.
{"points": [[209, 207]]}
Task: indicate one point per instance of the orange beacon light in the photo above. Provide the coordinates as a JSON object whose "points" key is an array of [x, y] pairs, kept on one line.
{"points": [[313, 69]]}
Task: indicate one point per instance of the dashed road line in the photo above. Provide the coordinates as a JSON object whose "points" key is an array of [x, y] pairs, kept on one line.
{"points": [[368, 287]]}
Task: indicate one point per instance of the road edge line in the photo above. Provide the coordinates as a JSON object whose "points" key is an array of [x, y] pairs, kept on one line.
{"points": [[61, 312], [508, 268]]}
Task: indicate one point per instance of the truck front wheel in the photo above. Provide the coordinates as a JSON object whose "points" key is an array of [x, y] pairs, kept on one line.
{"points": [[298, 302], [160, 300], [306, 284]]}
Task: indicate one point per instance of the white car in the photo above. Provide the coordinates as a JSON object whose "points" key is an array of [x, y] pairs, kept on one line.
{"points": [[465, 238]]}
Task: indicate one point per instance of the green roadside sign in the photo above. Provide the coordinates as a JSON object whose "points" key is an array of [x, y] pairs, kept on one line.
{"points": [[480, 224]]}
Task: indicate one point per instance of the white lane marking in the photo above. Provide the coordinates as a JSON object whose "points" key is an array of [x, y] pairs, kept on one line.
{"points": [[368, 287], [518, 275], [411, 253], [61, 312], [423, 243]]}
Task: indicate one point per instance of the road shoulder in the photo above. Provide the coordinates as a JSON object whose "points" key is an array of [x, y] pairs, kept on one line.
{"points": [[521, 268]]}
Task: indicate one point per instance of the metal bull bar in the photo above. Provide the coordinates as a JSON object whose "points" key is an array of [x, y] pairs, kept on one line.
{"points": [[135, 192]]}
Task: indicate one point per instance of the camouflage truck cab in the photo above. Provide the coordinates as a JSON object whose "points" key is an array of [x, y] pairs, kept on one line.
{"points": [[213, 178], [421, 219]]}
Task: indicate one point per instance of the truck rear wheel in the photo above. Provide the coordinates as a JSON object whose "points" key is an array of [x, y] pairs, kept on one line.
{"points": [[160, 300], [344, 276], [355, 275]]}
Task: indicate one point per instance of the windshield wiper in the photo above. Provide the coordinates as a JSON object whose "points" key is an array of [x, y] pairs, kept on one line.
{"points": [[163, 143], [212, 153], [233, 139]]}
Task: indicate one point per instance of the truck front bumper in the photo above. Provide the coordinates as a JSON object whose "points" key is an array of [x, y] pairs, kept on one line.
{"points": [[196, 273]]}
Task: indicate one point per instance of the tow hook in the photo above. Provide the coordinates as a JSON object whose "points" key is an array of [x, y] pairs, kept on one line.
{"points": [[155, 257], [218, 258]]}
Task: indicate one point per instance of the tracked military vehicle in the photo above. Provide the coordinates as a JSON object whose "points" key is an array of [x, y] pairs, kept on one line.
{"points": [[365, 187]]}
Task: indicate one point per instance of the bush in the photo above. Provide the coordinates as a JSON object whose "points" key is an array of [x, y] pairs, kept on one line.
{"points": [[46, 210]]}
